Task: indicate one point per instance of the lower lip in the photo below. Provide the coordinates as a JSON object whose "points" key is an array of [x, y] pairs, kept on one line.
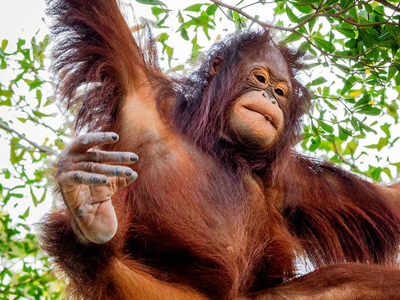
{"points": [[268, 118]]}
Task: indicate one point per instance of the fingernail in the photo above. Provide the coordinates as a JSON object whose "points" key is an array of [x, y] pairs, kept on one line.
{"points": [[128, 173], [114, 137], [104, 180], [134, 157]]}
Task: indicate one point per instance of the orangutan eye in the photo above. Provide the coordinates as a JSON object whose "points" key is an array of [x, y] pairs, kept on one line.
{"points": [[260, 78], [279, 92]]}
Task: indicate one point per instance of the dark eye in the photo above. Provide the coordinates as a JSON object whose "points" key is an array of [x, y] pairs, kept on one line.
{"points": [[260, 78], [279, 92]]}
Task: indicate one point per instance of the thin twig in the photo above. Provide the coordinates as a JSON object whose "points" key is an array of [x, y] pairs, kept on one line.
{"points": [[243, 13], [40, 148], [346, 161]]}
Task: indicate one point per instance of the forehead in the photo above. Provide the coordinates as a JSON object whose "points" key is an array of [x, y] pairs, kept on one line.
{"points": [[273, 60]]}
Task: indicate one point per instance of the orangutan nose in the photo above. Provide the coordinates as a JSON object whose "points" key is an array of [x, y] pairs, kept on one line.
{"points": [[273, 101]]}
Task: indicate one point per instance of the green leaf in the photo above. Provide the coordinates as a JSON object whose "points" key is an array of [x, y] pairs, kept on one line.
{"points": [[331, 106], [3, 64], [368, 8], [162, 21], [376, 173], [211, 9], [291, 15], [39, 96], [311, 24], [325, 45], [385, 55], [388, 172], [369, 110], [353, 13], [366, 128], [151, 2], [4, 44], [194, 7], [304, 8], [34, 199], [318, 81], [328, 128], [43, 196], [19, 196], [184, 33], [345, 3], [33, 83], [350, 148], [386, 129], [170, 52], [343, 133], [163, 37], [292, 37], [40, 114], [304, 46], [157, 11], [346, 32], [395, 47], [366, 98], [329, 3], [315, 142], [25, 214]]}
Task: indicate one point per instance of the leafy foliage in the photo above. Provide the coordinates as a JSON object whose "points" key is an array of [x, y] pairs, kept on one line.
{"points": [[25, 272]]}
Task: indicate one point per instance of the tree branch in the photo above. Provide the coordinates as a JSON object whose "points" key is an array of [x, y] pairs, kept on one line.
{"points": [[389, 5], [40, 148], [293, 29], [243, 13]]}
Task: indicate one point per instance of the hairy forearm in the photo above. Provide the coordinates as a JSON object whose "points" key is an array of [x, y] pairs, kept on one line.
{"points": [[134, 282], [339, 282]]}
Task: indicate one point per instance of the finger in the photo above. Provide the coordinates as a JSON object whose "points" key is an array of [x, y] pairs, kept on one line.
{"points": [[85, 178], [92, 139], [109, 170], [80, 177], [124, 158], [123, 182]]}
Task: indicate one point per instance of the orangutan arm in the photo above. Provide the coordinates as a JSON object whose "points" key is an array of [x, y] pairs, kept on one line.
{"points": [[340, 282]]}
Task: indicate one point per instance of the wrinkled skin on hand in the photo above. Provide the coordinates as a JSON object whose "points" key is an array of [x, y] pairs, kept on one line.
{"points": [[88, 178]]}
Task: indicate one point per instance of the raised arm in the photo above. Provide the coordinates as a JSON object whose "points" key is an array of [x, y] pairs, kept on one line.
{"points": [[98, 62], [101, 72]]}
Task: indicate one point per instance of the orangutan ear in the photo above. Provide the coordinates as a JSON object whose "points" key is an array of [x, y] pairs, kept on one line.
{"points": [[216, 63]]}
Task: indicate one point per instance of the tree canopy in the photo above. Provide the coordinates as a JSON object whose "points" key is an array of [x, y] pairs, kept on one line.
{"points": [[354, 76]]}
